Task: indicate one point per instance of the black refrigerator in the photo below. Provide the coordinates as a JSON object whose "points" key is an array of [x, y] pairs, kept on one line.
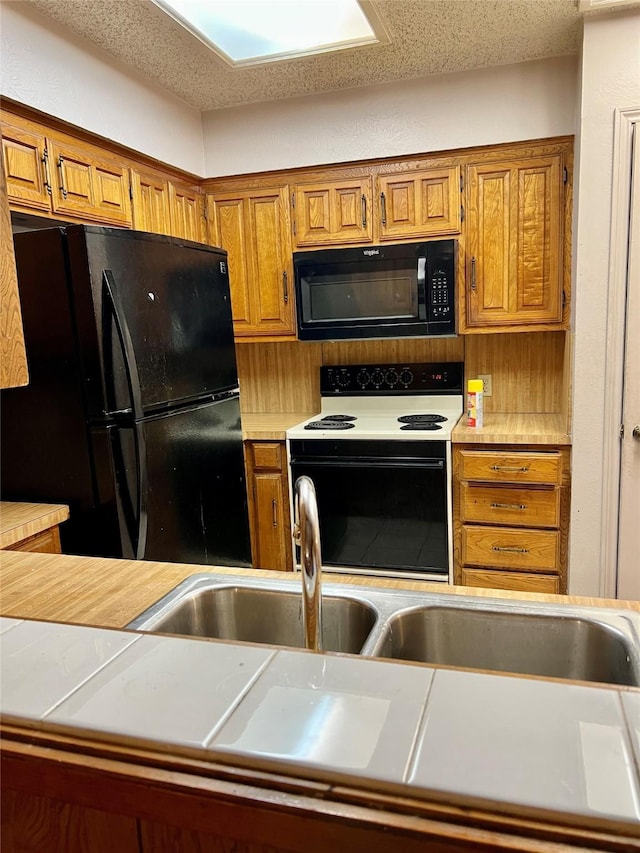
{"points": [[132, 412]]}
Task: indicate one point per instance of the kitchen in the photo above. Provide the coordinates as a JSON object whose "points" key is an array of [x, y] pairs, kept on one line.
{"points": [[464, 107]]}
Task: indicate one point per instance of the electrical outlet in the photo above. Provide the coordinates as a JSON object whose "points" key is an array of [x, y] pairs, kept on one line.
{"points": [[486, 383]]}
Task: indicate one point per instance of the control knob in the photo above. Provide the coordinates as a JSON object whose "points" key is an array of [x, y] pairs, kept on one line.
{"points": [[391, 377], [377, 377], [406, 377], [363, 378]]}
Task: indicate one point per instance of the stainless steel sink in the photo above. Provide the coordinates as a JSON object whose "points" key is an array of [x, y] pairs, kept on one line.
{"points": [[257, 615], [528, 643], [547, 640]]}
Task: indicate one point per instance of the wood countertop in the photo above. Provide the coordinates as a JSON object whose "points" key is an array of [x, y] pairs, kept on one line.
{"points": [[514, 429], [511, 428], [110, 593], [267, 426], [20, 520]]}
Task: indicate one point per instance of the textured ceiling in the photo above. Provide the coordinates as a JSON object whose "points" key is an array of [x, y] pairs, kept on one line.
{"points": [[426, 37]]}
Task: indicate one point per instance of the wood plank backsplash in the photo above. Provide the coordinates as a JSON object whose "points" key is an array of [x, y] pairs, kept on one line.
{"points": [[528, 370]]}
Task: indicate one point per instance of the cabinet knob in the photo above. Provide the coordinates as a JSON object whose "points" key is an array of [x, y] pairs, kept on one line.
{"points": [[636, 432]]}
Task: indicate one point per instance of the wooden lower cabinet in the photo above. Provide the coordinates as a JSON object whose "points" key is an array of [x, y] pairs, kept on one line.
{"points": [[269, 515], [511, 515]]}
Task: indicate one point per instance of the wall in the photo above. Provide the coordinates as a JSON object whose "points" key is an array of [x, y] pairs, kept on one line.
{"points": [[610, 79], [54, 71], [502, 104]]}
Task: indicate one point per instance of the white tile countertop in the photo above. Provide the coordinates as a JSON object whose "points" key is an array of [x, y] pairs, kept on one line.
{"points": [[445, 734]]}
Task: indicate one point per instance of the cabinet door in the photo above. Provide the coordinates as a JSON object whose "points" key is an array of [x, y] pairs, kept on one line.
{"points": [[333, 212], [268, 488], [419, 204], [186, 212], [253, 227], [25, 166], [88, 187], [150, 202], [514, 240]]}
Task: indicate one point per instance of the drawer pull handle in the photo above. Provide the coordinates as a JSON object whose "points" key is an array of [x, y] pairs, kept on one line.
{"points": [[274, 509], [508, 506], [522, 469], [364, 211], [511, 550]]}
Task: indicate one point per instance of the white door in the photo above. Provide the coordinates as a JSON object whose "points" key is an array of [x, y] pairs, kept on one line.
{"points": [[628, 576]]}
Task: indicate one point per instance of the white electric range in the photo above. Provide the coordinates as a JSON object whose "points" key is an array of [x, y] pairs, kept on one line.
{"points": [[379, 454]]}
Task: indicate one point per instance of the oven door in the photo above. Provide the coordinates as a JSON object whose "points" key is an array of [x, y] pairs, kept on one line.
{"points": [[384, 506]]}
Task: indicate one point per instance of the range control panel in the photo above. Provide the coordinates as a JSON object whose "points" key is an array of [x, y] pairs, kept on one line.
{"points": [[371, 379]]}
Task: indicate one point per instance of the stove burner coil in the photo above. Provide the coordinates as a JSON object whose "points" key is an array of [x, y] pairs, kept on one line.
{"points": [[339, 418], [330, 424], [421, 419], [422, 425]]}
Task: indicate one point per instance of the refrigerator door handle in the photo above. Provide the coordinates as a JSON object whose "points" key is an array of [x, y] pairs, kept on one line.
{"points": [[134, 511], [117, 314]]}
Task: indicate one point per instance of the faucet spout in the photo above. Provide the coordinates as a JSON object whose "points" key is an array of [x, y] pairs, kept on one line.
{"points": [[306, 533]]}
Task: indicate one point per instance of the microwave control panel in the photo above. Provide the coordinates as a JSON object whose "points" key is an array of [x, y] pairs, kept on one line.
{"points": [[440, 284]]}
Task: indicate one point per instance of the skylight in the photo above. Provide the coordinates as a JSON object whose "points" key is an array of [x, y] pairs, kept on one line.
{"points": [[246, 32]]}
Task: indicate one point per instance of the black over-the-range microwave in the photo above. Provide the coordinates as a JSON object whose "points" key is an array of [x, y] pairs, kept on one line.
{"points": [[394, 291]]}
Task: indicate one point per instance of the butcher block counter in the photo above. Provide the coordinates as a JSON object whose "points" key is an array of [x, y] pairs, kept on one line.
{"points": [[31, 527], [149, 779]]}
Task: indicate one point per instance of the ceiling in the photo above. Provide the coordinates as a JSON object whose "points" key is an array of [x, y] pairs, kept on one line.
{"points": [[427, 37]]}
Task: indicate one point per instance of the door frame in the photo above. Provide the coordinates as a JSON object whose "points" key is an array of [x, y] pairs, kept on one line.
{"points": [[625, 122]]}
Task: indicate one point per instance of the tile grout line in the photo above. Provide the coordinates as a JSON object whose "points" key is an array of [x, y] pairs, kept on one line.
{"points": [[90, 676], [239, 699], [412, 758]]}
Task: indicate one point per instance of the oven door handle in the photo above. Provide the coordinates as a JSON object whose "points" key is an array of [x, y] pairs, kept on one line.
{"points": [[422, 288], [432, 464]]}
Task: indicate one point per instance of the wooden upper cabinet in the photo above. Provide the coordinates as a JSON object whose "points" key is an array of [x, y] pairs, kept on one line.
{"points": [[186, 212], [84, 184], [333, 212], [24, 154], [13, 358], [150, 202], [514, 270], [418, 204], [253, 226]]}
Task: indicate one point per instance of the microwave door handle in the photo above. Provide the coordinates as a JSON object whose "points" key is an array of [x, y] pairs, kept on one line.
{"points": [[422, 289]]}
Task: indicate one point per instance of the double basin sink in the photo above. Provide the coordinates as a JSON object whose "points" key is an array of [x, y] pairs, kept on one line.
{"points": [[559, 641]]}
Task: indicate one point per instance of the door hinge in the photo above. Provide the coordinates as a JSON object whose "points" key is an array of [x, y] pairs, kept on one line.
{"points": [[461, 213], [461, 183], [564, 299], [131, 192], [565, 175], [621, 431], [204, 209]]}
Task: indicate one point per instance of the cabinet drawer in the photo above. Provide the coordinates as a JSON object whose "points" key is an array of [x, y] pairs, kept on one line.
{"points": [[511, 549], [510, 505], [267, 456], [511, 467], [520, 581]]}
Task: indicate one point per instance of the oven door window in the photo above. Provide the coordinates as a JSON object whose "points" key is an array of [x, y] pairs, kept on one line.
{"points": [[380, 515]]}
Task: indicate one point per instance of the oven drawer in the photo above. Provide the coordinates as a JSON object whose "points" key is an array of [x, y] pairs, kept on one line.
{"points": [[514, 467], [518, 581], [513, 506], [507, 548]]}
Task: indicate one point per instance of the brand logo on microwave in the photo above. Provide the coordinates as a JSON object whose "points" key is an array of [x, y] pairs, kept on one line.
{"points": [[371, 252]]}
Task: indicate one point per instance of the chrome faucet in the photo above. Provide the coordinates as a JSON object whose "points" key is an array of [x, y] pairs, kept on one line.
{"points": [[306, 534]]}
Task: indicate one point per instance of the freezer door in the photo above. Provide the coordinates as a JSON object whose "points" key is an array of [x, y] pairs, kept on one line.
{"points": [[154, 319], [181, 486]]}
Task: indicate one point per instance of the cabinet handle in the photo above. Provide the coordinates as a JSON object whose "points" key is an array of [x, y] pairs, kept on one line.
{"points": [[45, 165], [511, 550], [473, 273], [274, 510], [522, 469], [364, 211], [383, 208], [508, 506], [285, 286], [63, 189]]}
